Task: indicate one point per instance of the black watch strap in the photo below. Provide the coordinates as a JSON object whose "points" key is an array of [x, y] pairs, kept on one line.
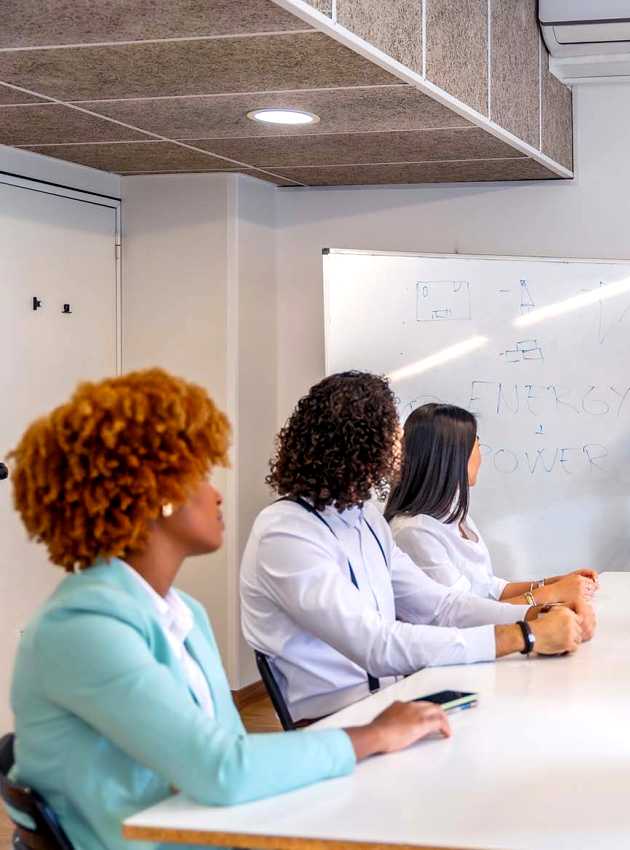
{"points": [[528, 637]]}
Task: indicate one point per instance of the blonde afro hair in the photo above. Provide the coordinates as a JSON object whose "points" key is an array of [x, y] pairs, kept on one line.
{"points": [[89, 477]]}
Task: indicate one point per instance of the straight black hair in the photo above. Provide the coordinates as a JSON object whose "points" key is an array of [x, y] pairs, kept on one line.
{"points": [[437, 443]]}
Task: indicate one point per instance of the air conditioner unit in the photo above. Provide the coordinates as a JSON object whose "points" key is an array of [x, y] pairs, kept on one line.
{"points": [[587, 39]]}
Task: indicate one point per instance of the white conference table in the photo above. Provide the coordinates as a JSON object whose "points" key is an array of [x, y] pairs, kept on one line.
{"points": [[542, 763]]}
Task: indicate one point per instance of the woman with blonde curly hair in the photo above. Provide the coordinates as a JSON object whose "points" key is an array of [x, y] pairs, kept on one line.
{"points": [[118, 692]]}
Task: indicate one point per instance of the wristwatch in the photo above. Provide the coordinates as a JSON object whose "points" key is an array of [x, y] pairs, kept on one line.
{"points": [[529, 638]]}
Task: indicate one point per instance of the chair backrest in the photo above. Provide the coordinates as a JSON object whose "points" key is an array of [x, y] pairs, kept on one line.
{"points": [[280, 706], [36, 825]]}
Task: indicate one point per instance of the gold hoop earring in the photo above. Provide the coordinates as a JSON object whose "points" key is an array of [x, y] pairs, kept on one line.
{"points": [[167, 510]]}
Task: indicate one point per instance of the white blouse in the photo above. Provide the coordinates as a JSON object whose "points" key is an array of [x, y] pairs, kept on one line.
{"points": [[299, 606], [446, 556]]}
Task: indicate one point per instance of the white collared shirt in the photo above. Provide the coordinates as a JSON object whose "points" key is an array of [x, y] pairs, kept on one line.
{"points": [[177, 622], [300, 607], [447, 556]]}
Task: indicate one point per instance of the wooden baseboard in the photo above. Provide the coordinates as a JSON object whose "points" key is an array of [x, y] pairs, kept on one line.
{"points": [[249, 694]]}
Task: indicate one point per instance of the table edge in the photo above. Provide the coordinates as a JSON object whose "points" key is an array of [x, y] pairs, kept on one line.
{"points": [[254, 841]]}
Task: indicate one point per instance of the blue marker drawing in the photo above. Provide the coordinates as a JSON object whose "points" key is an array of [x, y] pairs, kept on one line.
{"points": [[527, 349], [527, 302], [443, 301]]}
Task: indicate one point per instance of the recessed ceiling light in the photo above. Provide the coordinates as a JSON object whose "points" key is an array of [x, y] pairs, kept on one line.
{"points": [[283, 116]]}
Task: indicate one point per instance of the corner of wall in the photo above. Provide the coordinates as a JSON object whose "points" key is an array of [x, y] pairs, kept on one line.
{"points": [[232, 547], [256, 374]]}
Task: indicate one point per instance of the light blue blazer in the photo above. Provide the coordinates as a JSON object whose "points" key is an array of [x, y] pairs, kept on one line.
{"points": [[106, 724]]}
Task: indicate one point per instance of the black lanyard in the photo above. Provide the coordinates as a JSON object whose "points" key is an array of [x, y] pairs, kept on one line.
{"points": [[373, 682]]}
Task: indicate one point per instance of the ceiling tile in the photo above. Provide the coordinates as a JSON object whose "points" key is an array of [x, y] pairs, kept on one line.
{"points": [[324, 6], [134, 156], [432, 172], [30, 22], [394, 27], [52, 123], [514, 71], [557, 117], [399, 107], [457, 49], [262, 63], [9, 96], [337, 149], [268, 178]]}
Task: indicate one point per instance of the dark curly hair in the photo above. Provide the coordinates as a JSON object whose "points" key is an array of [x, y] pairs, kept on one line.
{"points": [[339, 443], [91, 475]]}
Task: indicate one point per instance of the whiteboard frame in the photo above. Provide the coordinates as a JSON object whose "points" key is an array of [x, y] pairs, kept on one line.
{"points": [[496, 257]]}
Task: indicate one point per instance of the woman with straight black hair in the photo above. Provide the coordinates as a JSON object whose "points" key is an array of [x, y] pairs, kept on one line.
{"points": [[428, 513]]}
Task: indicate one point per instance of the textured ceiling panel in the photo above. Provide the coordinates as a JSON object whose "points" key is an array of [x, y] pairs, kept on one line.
{"points": [[324, 6], [167, 85], [9, 96], [431, 172], [341, 110], [457, 49], [395, 27], [276, 62], [419, 146], [514, 69], [30, 23], [51, 123], [135, 156], [557, 112], [260, 175]]}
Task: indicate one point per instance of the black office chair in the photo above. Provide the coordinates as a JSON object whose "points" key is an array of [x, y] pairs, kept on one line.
{"points": [[280, 706], [36, 825]]}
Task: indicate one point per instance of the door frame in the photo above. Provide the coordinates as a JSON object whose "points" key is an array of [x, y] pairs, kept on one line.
{"points": [[46, 188]]}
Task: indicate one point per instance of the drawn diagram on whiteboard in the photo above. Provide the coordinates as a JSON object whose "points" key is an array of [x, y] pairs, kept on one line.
{"points": [[527, 302], [442, 300], [527, 349]]}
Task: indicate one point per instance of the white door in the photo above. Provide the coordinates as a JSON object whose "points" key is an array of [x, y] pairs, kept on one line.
{"points": [[59, 250]]}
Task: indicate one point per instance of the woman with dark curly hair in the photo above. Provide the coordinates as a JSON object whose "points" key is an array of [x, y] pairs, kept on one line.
{"points": [[339, 446], [118, 692], [326, 593]]}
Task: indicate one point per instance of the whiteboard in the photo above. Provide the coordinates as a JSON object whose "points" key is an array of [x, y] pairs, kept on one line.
{"points": [[539, 350]]}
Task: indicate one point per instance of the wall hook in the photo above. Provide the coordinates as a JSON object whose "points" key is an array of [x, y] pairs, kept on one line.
{"points": [[66, 309], [36, 303]]}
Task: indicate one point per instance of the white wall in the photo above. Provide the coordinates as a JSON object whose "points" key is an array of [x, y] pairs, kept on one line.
{"points": [[198, 283], [586, 217], [174, 313], [257, 391], [37, 167]]}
